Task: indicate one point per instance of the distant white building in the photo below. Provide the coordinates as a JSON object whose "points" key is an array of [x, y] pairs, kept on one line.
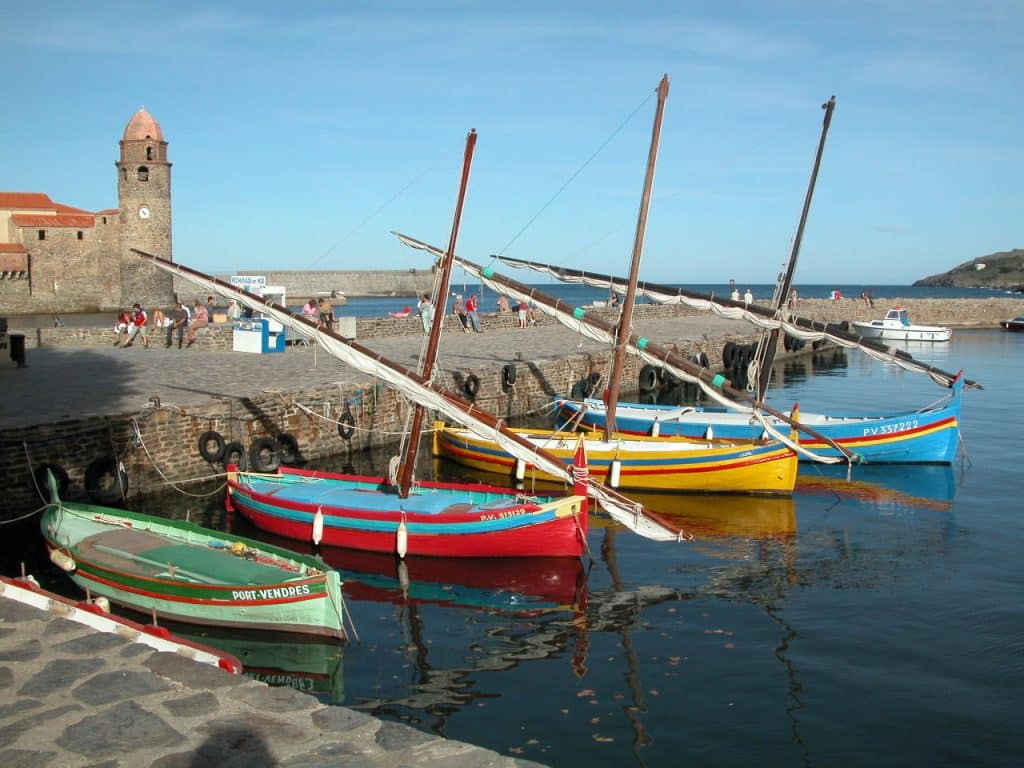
{"points": [[979, 266]]}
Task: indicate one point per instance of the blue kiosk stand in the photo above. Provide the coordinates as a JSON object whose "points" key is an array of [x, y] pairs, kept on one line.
{"points": [[258, 335]]}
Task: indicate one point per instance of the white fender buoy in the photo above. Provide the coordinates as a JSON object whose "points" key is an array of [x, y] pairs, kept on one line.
{"points": [[62, 561], [614, 472], [318, 525], [656, 428], [402, 538], [710, 434], [102, 603], [520, 469]]}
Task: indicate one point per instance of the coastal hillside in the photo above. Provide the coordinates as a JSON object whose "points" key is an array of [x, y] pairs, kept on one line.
{"points": [[999, 271]]}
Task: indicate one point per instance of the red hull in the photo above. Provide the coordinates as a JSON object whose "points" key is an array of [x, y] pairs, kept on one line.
{"points": [[561, 537]]}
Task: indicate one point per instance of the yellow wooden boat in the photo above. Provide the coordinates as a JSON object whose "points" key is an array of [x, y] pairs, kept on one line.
{"points": [[635, 463]]}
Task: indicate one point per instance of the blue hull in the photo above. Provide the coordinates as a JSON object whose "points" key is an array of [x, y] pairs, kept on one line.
{"points": [[928, 436]]}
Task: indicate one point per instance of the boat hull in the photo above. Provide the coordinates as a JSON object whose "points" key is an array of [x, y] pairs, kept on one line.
{"points": [[928, 436], [637, 463], [184, 573], [440, 519], [1013, 325]]}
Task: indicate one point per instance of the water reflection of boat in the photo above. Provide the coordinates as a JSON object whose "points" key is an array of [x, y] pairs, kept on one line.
{"points": [[306, 665], [715, 516], [521, 585], [926, 486]]}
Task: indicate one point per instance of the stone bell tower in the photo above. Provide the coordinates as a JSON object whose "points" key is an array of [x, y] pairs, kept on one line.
{"points": [[144, 200]]}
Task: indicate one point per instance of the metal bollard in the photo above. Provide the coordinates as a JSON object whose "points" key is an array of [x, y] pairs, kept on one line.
{"points": [[18, 349]]}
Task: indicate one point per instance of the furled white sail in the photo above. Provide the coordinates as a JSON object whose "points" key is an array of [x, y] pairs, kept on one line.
{"points": [[579, 322]]}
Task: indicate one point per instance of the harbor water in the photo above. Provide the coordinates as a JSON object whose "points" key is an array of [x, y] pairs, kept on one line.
{"points": [[876, 620]]}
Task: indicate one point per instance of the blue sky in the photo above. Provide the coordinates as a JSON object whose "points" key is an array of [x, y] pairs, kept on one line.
{"points": [[301, 135]]}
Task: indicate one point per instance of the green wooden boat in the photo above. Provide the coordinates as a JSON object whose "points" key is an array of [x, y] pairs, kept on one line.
{"points": [[183, 572]]}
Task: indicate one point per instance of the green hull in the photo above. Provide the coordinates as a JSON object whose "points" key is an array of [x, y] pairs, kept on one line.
{"points": [[183, 572]]}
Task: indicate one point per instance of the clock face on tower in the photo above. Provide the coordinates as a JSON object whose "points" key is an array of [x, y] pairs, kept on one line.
{"points": [[144, 212]]}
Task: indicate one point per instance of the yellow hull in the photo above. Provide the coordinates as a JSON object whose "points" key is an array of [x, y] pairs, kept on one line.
{"points": [[636, 463]]}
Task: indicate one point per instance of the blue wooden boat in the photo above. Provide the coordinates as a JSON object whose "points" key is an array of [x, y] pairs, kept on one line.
{"points": [[926, 436]]}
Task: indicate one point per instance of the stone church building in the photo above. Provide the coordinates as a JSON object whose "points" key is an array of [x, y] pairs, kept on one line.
{"points": [[56, 258]]}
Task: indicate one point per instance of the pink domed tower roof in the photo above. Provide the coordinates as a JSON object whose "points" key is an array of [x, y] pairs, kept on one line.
{"points": [[142, 126]]}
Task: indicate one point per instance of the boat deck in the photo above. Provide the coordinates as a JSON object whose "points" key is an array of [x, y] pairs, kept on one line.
{"points": [[144, 553]]}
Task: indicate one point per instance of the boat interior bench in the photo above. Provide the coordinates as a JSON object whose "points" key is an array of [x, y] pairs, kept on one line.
{"points": [[145, 554]]}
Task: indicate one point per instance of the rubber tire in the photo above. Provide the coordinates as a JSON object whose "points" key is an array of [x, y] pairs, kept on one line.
{"points": [[234, 453], [579, 390], [729, 354], [508, 377], [256, 458], [101, 467], [647, 381], [204, 446], [346, 426], [59, 474], [289, 448], [471, 386]]}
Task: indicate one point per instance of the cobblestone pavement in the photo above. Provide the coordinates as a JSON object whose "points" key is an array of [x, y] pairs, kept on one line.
{"points": [[60, 384], [75, 697]]}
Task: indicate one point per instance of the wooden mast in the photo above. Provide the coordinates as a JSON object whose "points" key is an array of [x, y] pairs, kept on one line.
{"points": [[626, 318], [441, 299], [772, 339]]}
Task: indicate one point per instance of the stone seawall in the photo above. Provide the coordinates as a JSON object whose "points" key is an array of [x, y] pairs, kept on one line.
{"points": [[356, 282]]}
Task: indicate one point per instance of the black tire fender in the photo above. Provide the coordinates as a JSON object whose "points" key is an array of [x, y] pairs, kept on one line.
{"points": [[508, 376], [110, 492], [288, 447], [59, 474], [648, 379], [234, 453], [346, 425], [215, 437], [729, 354], [471, 385], [264, 454]]}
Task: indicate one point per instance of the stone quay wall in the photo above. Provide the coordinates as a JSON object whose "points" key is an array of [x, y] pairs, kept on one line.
{"points": [[300, 286]]}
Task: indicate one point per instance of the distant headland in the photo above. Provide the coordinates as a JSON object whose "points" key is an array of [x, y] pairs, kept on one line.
{"points": [[1002, 271]]}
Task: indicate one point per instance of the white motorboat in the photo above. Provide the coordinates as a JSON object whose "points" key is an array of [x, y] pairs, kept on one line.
{"points": [[896, 326]]}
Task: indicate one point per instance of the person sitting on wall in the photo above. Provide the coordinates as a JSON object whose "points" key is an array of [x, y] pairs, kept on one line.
{"points": [[310, 311], [202, 319], [138, 326], [179, 320], [121, 326]]}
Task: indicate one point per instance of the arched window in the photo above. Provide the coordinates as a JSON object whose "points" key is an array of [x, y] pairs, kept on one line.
{"points": [[149, 153], [143, 173]]}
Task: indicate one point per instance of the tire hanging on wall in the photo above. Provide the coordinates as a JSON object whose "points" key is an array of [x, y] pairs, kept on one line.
{"points": [[728, 354], [288, 446], [59, 474], [211, 455], [346, 425], [264, 454], [106, 480], [234, 453], [471, 385], [648, 379], [508, 377]]}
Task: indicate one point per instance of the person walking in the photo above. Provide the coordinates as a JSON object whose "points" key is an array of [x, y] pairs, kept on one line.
{"points": [[474, 318]]}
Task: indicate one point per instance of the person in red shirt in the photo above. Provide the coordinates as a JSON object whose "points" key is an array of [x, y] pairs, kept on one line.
{"points": [[474, 318], [138, 326]]}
